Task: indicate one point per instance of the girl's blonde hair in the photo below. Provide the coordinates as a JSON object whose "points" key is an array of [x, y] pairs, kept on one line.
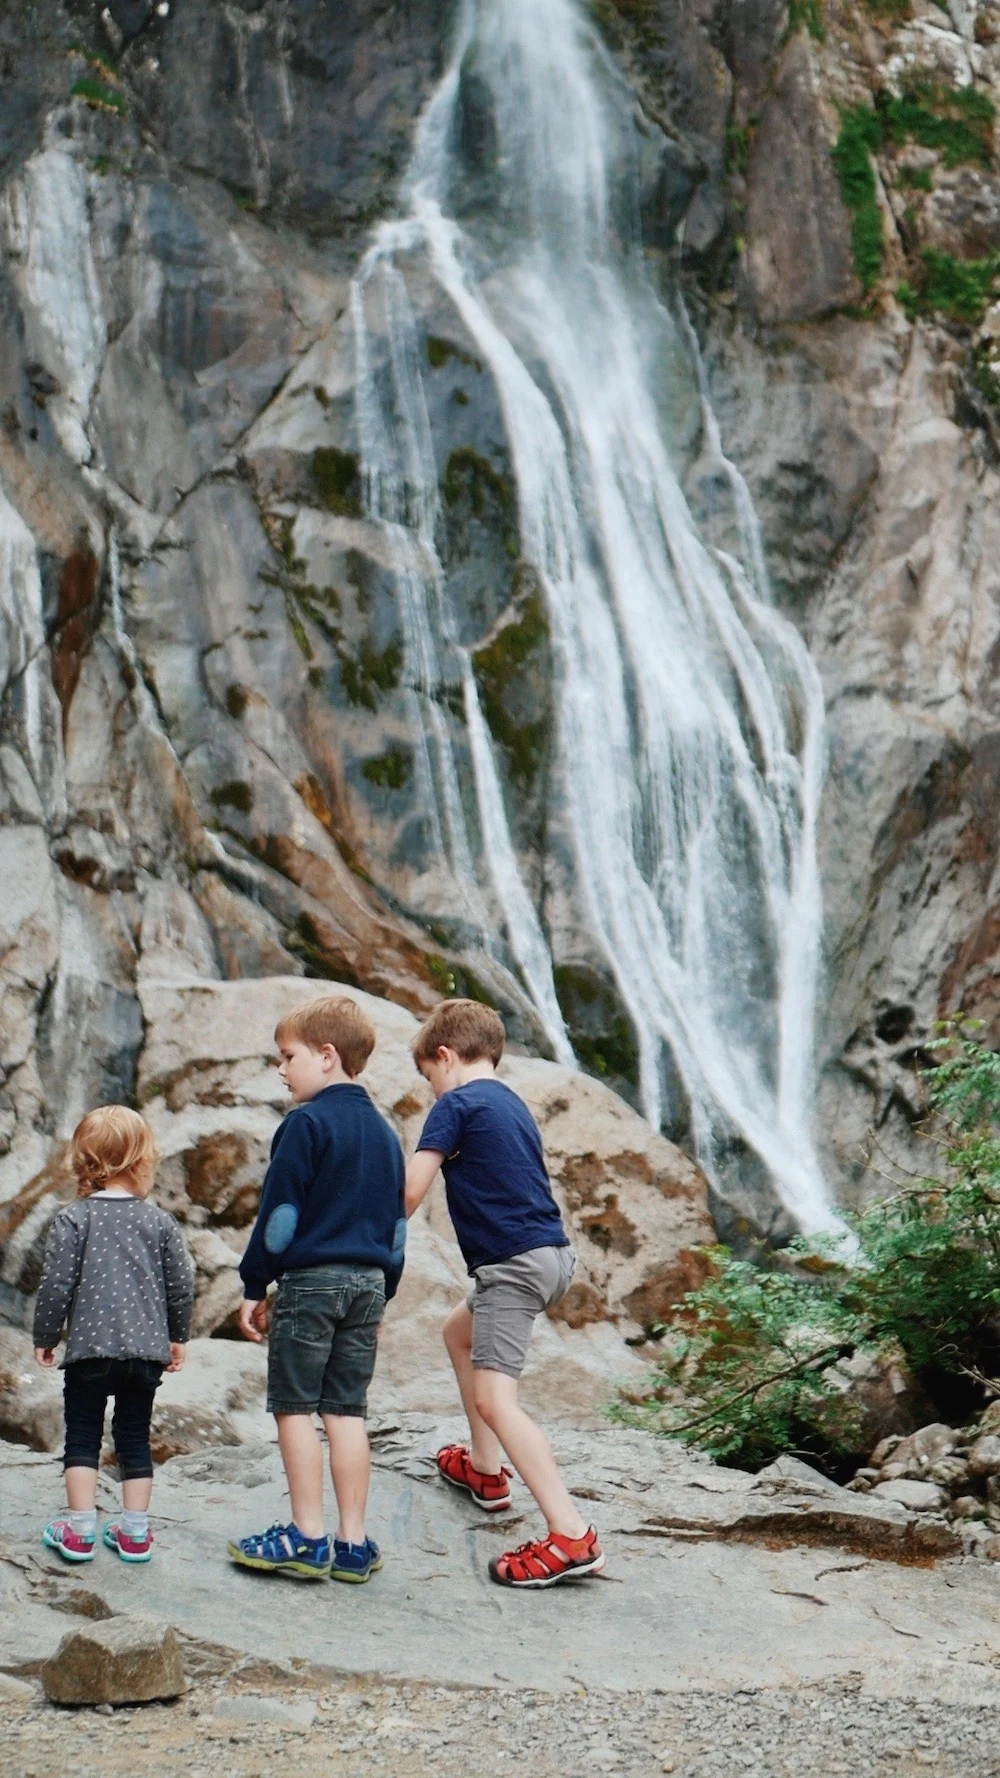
{"points": [[112, 1142]]}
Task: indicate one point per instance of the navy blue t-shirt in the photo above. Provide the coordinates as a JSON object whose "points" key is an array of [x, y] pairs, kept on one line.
{"points": [[499, 1196]]}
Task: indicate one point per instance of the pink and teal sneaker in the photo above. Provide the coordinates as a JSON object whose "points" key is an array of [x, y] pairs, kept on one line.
{"points": [[60, 1536], [130, 1549]]}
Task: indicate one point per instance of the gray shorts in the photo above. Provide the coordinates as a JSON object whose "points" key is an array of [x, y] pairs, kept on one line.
{"points": [[324, 1330], [507, 1298]]}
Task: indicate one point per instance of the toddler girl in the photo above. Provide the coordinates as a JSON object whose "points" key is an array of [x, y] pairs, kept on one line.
{"points": [[116, 1269]]}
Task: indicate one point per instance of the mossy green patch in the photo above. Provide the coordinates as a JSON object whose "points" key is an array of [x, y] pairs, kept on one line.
{"points": [[807, 13], [985, 376], [337, 478], [468, 473], [957, 288], [956, 121], [598, 1026], [98, 95], [439, 351], [498, 667], [371, 671], [916, 179], [455, 981], [860, 137], [391, 770], [890, 12]]}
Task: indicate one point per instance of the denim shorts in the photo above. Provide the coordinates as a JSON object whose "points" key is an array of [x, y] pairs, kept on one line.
{"points": [[507, 1299], [324, 1330]]}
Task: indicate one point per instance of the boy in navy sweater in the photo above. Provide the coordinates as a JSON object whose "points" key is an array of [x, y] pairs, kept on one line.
{"points": [[331, 1228], [486, 1142]]}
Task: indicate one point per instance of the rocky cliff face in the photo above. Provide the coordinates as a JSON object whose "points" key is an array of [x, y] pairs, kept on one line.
{"points": [[205, 763]]}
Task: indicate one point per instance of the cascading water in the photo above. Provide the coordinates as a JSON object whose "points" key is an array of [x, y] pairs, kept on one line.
{"points": [[689, 714]]}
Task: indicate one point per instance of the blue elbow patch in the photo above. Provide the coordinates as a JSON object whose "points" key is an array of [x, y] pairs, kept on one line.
{"points": [[399, 1242], [279, 1231]]}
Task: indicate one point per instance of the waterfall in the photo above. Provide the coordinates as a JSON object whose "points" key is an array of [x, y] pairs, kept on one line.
{"points": [[689, 715]]}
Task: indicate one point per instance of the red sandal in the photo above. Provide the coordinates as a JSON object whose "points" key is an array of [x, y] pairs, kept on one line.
{"points": [[548, 1560], [491, 1492]]}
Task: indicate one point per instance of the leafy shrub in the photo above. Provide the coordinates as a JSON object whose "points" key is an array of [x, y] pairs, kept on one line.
{"points": [[861, 137], [749, 1366], [958, 288]]}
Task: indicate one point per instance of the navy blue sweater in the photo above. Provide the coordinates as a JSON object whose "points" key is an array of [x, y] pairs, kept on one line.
{"points": [[333, 1193]]}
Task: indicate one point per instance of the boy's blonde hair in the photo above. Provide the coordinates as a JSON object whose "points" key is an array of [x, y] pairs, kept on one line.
{"points": [[112, 1142], [336, 1020], [475, 1032]]}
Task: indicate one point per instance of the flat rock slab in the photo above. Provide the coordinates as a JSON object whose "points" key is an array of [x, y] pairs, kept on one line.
{"points": [[715, 1580]]}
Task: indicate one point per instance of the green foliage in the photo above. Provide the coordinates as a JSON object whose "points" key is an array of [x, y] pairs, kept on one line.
{"points": [[440, 350], [917, 178], [599, 1027], [810, 14], [392, 770], [337, 477], [891, 12], [466, 472], [860, 137], [371, 671], [984, 375], [737, 148], [97, 95], [749, 1367], [498, 667], [957, 121], [957, 288]]}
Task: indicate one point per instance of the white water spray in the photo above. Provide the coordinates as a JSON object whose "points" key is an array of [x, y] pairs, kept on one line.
{"points": [[689, 713]]}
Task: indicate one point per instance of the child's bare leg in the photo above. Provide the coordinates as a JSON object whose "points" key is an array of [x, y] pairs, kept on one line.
{"points": [[302, 1456], [137, 1493], [484, 1448], [351, 1468], [81, 1488], [528, 1449]]}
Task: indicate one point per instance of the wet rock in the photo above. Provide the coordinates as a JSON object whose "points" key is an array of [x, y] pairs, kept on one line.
{"points": [[127, 1660]]}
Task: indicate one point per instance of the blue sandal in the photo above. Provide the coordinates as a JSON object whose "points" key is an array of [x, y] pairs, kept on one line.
{"points": [[355, 1561], [284, 1549]]}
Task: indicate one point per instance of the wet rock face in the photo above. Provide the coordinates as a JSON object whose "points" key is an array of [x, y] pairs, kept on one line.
{"points": [[206, 763]]}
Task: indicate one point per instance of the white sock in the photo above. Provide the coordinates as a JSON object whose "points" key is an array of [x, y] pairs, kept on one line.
{"points": [[83, 1524], [134, 1524]]}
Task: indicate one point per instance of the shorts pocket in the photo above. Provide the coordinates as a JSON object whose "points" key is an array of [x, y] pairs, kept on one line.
{"points": [[315, 1314]]}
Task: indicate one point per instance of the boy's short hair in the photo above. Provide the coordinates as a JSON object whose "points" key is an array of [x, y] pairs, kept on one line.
{"points": [[111, 1142], [475, 1032], [336, 1020]]}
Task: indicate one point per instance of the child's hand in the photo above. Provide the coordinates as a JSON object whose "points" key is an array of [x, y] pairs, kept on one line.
{"points": [[178, 1353], [254, 1319], [45, 1356]]}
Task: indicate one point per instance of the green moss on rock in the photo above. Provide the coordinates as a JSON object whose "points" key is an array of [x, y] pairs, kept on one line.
{"points": [[957, 288], [337, 478], [860, 137], [371, 671], [498, 667], [599, 1028], [468, 473], [391, 770]]}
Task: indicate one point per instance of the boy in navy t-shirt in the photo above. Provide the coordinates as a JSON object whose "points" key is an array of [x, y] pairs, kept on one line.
{"points": [[486, 1142]]}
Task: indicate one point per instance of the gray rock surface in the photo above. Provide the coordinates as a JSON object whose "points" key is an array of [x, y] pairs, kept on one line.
{"points": [[714, 1580], [127, 1660]]}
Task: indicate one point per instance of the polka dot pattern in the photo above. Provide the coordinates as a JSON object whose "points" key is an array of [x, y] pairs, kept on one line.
{"points": [[117, 1272]]}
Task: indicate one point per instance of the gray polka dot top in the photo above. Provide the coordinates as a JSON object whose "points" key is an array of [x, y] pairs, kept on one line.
{"points": [[117, 1271]]}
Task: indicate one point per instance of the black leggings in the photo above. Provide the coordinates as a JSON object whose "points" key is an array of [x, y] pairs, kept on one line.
{"points": [[86, 1387]]}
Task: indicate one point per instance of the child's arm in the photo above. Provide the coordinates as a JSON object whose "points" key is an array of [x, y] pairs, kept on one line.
{"points": [[420, 1173], [179, 1280], [286, 1186], [60, 1276]]}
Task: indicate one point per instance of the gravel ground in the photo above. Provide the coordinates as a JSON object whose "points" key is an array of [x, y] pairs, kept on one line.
{"points": [[420, 1731]]}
